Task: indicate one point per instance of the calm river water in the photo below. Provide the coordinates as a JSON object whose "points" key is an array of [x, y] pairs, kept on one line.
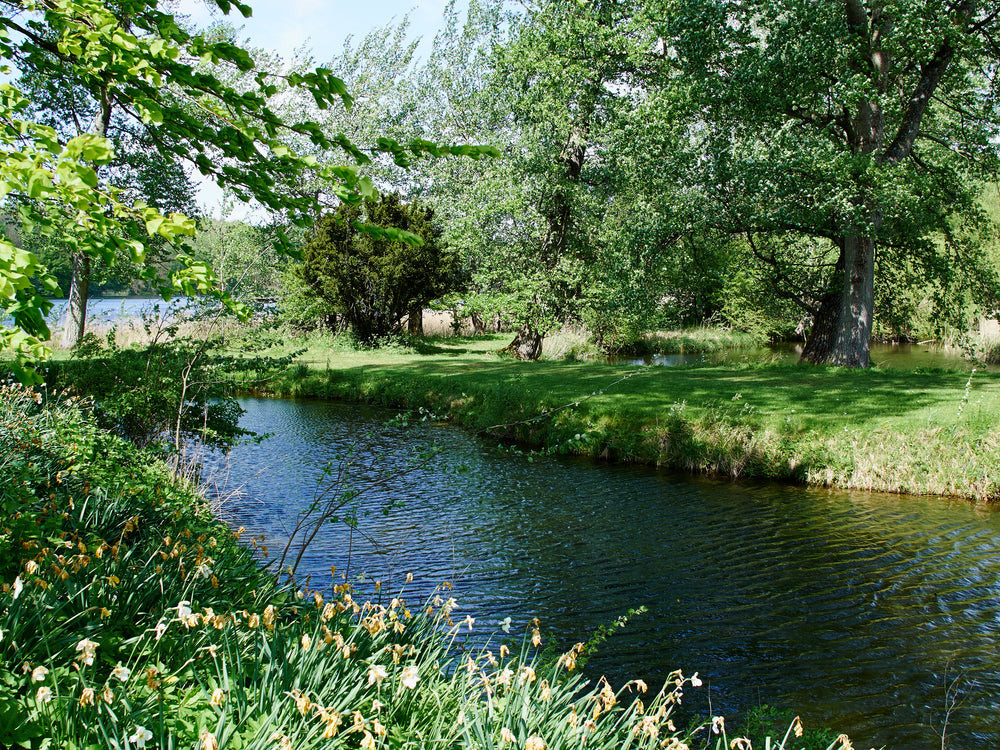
{"points": [[854, 610]]}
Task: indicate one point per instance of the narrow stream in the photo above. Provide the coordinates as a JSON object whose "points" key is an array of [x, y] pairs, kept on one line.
{"points": [[856, 611]]}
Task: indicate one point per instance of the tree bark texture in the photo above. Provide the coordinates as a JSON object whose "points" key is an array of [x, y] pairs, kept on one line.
{"points": [[415, 321], [527, 344], [76, 310]]}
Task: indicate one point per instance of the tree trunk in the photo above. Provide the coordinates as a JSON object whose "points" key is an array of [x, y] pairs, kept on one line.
{"points": [[415, 321], [76, 311], [842, 331], [478, 325], [527, 344]]}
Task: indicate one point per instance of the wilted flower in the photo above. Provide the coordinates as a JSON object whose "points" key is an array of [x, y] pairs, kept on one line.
{"points": [[208, 741], [696, 680], [306, 642], [161, 628], [122, 673], [31, 566], [527, 674], [218, 697], [410, 677], [269, 616], [87, 649], [86, 697], [506, 736], [368, 742], [797, 726], [504, 677], [546, 691], [536, 638], [38, 674], [649, 727], [718, 724], [302, 701], [185, 615], [18, 587], [505, 624], [468, 621], [534, 743], [741, 743], [44, 694]]}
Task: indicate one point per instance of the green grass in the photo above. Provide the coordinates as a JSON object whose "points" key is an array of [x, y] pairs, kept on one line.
{"points": [[904, 431]]}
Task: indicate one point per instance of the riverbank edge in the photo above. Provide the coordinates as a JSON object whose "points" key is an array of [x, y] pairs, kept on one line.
{"points": [[722, 442], [242, 660]]}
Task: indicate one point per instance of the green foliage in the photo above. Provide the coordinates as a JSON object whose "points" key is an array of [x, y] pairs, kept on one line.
{"points": [[137, 58], [169, 392], [848, 125], [374, 280]]}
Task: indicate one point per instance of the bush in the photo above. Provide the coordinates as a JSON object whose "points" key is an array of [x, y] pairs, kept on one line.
{"points": [[374, 277], [171, 392]]}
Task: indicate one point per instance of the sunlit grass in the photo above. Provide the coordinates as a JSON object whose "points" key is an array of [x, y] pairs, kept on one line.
{"points": [[917, 431]]}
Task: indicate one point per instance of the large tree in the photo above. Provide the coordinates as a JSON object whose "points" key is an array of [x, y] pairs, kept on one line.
{"points": [[865, 123]]}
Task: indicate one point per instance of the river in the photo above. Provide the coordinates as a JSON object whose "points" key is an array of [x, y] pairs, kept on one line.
{"points": [[857, 611]]}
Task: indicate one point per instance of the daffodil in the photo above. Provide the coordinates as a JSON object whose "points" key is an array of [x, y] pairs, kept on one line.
{"points": [[44, 694], [87, 649], [140, 736], [38, 674], [410, 677], [122, 673], [376, 673]]}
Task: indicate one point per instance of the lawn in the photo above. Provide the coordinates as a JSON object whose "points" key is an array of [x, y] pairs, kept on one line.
{"points": [[913, 431]]}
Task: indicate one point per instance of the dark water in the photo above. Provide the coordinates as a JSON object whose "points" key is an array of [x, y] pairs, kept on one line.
{"points": [[854, 610]]}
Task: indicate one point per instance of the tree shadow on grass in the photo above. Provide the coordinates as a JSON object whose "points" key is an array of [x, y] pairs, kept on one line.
{"points": [[818, 395]]}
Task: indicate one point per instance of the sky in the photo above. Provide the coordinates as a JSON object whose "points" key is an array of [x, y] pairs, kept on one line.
{"points": [[285, 26], [322, 25]]}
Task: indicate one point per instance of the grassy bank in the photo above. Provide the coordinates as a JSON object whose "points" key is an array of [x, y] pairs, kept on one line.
{"points": [[921, 432]]}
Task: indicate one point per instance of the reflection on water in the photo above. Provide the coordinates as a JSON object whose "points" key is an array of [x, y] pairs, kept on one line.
{"points": [[854, 610]]}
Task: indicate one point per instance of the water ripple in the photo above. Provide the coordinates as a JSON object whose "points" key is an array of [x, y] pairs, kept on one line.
{"points": [[857, 611]]}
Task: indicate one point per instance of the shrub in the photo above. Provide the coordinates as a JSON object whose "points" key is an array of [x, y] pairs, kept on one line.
{"points": [[375, 278]]}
